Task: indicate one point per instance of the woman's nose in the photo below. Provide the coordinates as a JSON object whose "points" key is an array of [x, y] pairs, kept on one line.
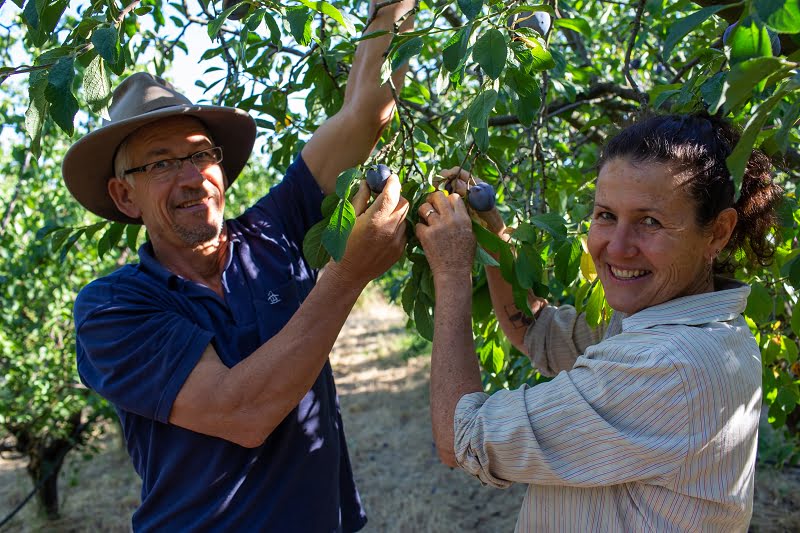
{"points": [[622, 242]]}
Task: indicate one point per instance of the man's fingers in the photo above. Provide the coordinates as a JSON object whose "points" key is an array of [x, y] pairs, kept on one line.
{"points": [[361, 198], [388, 200]]}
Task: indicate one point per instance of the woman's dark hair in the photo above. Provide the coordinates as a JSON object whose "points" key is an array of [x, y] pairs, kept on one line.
{"points": [[699, 144]]}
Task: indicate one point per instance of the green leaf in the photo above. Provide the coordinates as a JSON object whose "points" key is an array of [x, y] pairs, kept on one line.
{"points": [[63, 105], [106, 42], [783, 16], [37, 110], [132, 236], [577, 24], [470, 8], [406, 51], [568, 261], [490, 52], [455, 49], [315, 253], [344, 182], [795, 321], [480, 108], [96, 85], [737, 161], [327, 9], [595, 305], [552, 223], [540, 58], [300, 24], [110, 238], [216, 24], [759, 303], [274, 30], [329, 204], [484, 258], [69, 244], [748, 40], [341, 223], [742, 79], [423, 318], [528, 267], [684, 25], [789, 350], [481, 138]]}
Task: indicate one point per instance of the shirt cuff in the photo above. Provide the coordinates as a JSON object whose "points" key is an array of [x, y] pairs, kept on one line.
{"points": [[468, 436]]}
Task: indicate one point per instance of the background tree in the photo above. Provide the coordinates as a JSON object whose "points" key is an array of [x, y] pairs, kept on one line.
{"points": [[524, 106]]}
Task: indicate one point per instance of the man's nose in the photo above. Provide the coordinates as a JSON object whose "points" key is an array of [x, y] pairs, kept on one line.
{"points": [[189, 173]]}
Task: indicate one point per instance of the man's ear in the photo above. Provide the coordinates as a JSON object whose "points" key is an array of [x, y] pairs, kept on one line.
{"points": [[121, 192]]}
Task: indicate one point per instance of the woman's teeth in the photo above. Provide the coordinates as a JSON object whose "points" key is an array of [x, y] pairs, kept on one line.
{"points": [[627, 274]]}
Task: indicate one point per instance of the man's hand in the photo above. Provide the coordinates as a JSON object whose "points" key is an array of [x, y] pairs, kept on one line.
{"points": [[458, 181], [393, 11], [346, 139], [378, 237], [446, 235]]}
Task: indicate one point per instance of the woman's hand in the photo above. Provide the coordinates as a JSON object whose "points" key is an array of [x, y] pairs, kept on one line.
{"points": [[458, 181], [446, 234]]}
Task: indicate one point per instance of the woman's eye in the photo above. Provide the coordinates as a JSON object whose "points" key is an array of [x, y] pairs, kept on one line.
{"points": [[604, 215], [651, 222]]}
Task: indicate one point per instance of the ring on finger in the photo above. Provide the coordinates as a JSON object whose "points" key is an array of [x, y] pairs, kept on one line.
{"points": [[428, 213]]}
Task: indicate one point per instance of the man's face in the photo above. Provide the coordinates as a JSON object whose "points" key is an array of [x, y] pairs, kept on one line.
{"points": [[183, 207]]}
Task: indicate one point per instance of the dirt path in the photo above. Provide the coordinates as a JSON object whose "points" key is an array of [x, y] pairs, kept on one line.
{"points": [[383, 388]]}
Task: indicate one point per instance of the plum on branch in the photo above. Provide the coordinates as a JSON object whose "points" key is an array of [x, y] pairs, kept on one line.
{"points": [[376, 177], [481, 197]]}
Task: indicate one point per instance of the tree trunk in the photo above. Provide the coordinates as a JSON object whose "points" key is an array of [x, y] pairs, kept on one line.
{"points": [[44, 465]]}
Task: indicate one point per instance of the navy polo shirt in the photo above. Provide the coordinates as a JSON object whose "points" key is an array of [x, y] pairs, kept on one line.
{"points": [[142, 329]]}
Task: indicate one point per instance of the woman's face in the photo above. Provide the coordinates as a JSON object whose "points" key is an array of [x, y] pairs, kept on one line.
{"points": [[644, 238]]}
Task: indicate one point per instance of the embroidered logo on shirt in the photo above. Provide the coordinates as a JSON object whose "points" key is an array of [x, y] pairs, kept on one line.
{"points": [[273, 298]]}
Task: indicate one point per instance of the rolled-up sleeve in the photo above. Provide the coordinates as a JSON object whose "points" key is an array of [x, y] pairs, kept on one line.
{"points": [[558, 336], [603, 422]]}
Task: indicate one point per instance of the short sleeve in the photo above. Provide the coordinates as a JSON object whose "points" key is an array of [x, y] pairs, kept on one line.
{"points": [[295, 204], [602, 423], [132, 348]]}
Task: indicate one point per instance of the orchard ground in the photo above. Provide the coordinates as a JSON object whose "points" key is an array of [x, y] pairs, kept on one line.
{"points": [[382, 376]]}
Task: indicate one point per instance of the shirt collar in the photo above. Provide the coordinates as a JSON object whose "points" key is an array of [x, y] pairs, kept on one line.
{"points": [[149, 263], [725, 303]]}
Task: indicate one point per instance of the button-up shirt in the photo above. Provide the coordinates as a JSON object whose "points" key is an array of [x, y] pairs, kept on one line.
{"points": [[652, 429]]}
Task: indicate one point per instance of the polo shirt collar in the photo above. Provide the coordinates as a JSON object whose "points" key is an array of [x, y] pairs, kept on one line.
{"points": [[724, 304], [149, 263]]}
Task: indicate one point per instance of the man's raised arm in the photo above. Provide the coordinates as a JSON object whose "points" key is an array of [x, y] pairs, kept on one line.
{"points": [[347, 138]]}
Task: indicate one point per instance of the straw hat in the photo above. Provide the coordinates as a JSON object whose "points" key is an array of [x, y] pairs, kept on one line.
{"points": [[141, 99]]}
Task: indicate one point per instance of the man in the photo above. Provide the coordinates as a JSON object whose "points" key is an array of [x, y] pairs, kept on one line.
{"points": [[214, 348]]}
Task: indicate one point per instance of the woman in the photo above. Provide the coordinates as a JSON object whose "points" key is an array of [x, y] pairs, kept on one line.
{"points": [[654, 427]]}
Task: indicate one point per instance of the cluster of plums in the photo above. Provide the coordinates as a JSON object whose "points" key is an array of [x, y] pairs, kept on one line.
{"points": [[480, 196]]}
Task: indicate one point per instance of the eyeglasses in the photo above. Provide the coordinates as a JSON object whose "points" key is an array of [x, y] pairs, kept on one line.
{"points": [[167, 167]]}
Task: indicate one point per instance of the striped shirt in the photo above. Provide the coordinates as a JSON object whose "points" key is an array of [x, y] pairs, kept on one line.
{"points": [[652, 429]]}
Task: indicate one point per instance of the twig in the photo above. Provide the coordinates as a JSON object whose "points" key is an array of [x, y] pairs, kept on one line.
{"points": [[626, 69]]}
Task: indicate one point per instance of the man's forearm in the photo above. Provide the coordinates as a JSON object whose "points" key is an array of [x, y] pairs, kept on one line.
{"points": [[346, 139], [454, 368], [273, 380]]}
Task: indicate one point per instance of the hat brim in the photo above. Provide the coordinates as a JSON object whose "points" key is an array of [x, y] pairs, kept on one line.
{"points": [[89, 163]]}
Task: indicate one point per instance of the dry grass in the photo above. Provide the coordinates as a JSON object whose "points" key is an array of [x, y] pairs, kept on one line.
{"points": [[384, 398]]}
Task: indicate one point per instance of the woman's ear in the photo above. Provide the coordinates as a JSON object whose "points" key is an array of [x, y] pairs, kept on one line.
{"points": [[121, 191], [722, 229]]}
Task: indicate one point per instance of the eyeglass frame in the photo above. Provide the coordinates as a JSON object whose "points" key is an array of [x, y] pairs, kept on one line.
{"points": [[180, 160]]}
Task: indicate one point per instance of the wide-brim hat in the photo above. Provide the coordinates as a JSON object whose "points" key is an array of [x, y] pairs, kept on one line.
{"points": [[139, 100]]}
